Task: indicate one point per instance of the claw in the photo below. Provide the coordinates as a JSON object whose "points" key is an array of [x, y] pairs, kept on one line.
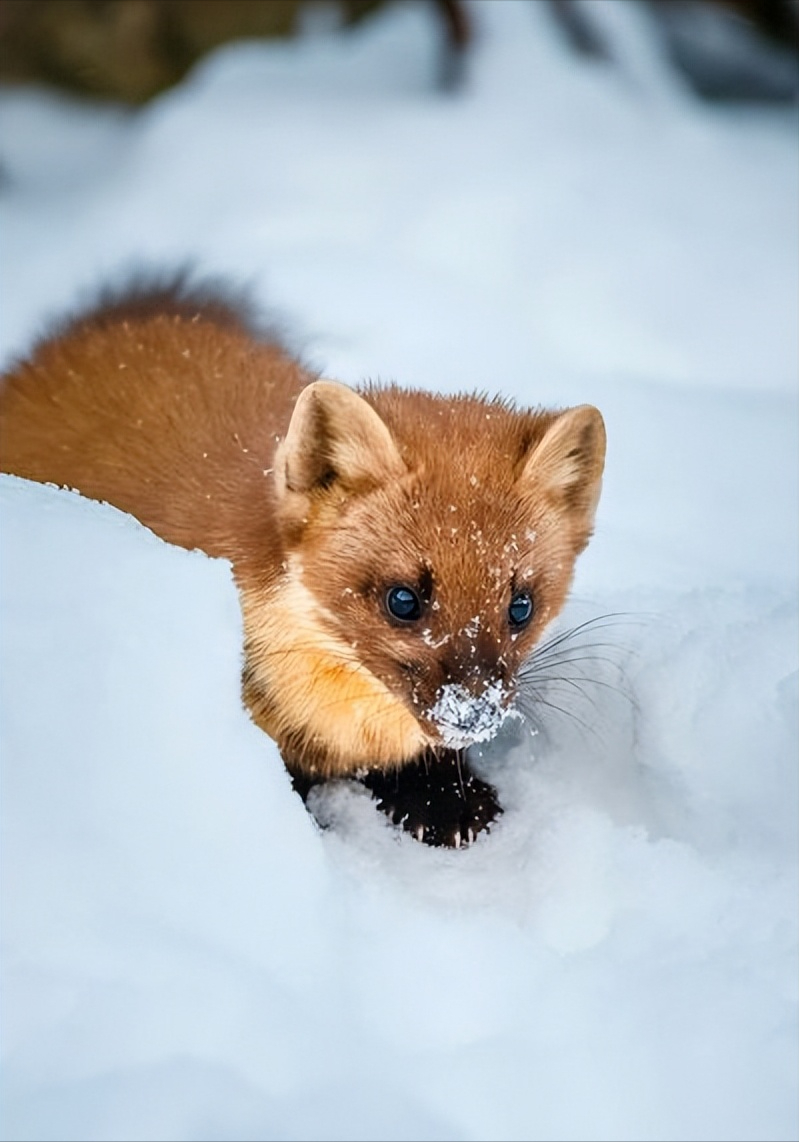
{"points": [[425, 800]]}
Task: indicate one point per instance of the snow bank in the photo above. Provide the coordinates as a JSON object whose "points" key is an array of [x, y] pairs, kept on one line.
{"points": [[187, 955]]}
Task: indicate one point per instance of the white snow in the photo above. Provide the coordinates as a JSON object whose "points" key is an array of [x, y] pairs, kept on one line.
{"points": [[185, 954], [463, 718]]}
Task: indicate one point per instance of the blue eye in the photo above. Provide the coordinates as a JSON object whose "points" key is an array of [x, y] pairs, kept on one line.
{"points": [[403, 603], [520, 610]]}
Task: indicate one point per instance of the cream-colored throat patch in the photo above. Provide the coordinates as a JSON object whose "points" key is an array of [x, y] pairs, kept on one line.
{"points": [[318, 689]]}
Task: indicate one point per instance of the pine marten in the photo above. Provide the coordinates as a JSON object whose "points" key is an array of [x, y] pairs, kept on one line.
{"points": [[397, 554]]}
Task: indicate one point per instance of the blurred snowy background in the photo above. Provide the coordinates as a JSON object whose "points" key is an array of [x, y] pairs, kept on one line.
{"points": [[186, 955]]}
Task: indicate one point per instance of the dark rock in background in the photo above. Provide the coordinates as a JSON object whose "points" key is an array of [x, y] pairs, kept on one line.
{"points": [[130, 50]]}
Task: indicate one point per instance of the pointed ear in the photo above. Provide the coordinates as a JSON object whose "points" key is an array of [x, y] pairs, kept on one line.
{"points": [[567, 463], [335, 437]]}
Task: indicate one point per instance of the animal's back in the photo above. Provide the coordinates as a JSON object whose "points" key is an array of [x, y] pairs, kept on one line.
{"points": [[171, 416]]}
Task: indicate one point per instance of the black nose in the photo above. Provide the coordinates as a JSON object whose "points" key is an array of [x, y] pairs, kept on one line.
{"points": [[462, 716]]}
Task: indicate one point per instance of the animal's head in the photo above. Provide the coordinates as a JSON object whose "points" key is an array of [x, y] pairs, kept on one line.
{"points": [[433, 539]]}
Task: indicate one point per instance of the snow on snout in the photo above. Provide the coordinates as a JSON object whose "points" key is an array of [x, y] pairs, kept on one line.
{"points": [[463, 718]]}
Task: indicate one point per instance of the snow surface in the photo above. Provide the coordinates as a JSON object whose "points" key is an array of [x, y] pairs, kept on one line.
{"points": [[186, 954]]}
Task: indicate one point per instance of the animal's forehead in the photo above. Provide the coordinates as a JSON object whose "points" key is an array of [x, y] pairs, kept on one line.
{"points": [[476, 517], [473, 545], [472, 566]]}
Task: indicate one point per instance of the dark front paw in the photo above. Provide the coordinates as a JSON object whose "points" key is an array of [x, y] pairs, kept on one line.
{"points": [[437, 799]]}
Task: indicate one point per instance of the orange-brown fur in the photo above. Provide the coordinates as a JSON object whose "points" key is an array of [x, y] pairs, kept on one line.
{"points": [[181, 416]]}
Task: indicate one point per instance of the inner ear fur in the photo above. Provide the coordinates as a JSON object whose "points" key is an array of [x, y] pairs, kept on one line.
{"points": [[335, 437], [567, 463]]}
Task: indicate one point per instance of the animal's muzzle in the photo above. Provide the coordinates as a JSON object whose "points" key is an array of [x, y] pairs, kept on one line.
{"points": [[462, 718]]}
